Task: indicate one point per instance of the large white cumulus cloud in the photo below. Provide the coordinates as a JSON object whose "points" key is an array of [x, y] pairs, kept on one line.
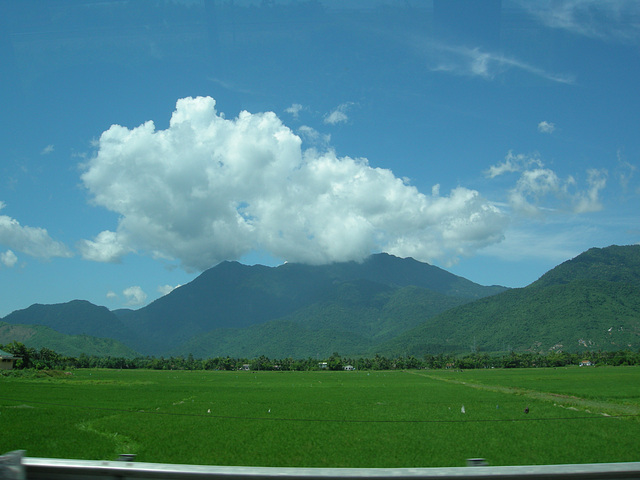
{"points": [[208, 189]]}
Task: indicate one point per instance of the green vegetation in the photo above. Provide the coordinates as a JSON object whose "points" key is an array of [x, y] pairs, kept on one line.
{"points": [[618, 264], [324, 418], [588, 303], [45, 358], [355, 317], [613, 385]]}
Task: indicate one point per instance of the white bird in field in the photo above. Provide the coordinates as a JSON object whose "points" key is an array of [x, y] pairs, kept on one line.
{"points": [[209, 411], [462, 409]]}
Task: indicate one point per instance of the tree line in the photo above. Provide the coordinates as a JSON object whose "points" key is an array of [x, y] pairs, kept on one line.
{"points": [[45, 358]]}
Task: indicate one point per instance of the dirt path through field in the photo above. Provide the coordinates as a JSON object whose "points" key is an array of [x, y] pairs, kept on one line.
{"points": [[562, 401]]}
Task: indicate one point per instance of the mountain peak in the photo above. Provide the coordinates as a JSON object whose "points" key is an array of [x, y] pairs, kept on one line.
{"points": [[609, 264]]}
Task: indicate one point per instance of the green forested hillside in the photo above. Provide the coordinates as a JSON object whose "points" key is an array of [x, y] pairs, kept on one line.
{"points": [[617, 264], [354, 317], [589, 302]]}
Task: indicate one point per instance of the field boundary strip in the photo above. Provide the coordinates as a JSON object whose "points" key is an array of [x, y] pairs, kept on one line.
{"points": [[607, 409]]}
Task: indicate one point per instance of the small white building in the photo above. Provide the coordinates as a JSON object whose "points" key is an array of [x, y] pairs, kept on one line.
{"points": [[348, 367], [585, 363], [323, 365]]}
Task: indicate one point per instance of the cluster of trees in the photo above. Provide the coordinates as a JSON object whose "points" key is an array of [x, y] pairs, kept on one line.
{"points": [[45, 358]]}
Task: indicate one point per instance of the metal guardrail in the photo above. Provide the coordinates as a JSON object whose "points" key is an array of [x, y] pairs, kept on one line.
{"points": [[14, 466], [58, 469]]}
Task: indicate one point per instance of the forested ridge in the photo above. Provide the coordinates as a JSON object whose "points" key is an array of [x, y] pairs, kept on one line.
{"points": [[387, 306]]}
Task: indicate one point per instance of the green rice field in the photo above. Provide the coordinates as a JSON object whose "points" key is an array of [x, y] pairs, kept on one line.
{"points": [[417, 418]]}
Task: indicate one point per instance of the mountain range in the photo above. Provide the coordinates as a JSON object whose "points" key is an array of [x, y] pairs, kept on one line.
{"points": [[385, 305]]}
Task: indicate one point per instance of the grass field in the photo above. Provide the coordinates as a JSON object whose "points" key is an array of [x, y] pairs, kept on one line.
{"points": [[328, 419]]}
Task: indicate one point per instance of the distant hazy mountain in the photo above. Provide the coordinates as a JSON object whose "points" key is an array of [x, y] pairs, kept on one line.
{"points": [[38, 336], [77, 317], [352, 317], [590, 302], [232, 295], [250, 310], [383, 305]]}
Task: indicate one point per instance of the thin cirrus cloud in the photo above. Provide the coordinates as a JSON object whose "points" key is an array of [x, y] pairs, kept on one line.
{"points": [[209, 189], [32, 241], [476, 62], [609, 20], [551, 244]]}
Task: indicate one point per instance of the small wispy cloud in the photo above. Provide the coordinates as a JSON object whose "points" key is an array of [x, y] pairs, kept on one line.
{"points": [[513, 163], [33, 241], [47, 150], [589, 200], [539, 189], [8, 258], [231, 86], [339, 114], [106, 247], [135, 296], [546, 127], [294, 110], [625, 172]]}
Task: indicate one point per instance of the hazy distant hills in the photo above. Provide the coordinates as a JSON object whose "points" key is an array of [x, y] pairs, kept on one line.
{"points": [[343, 298], [383, 305], [39, 336], [235, 309], [72, 318]]}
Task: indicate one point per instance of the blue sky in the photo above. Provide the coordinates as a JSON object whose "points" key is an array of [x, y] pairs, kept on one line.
{"points": [[143, 142]]}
